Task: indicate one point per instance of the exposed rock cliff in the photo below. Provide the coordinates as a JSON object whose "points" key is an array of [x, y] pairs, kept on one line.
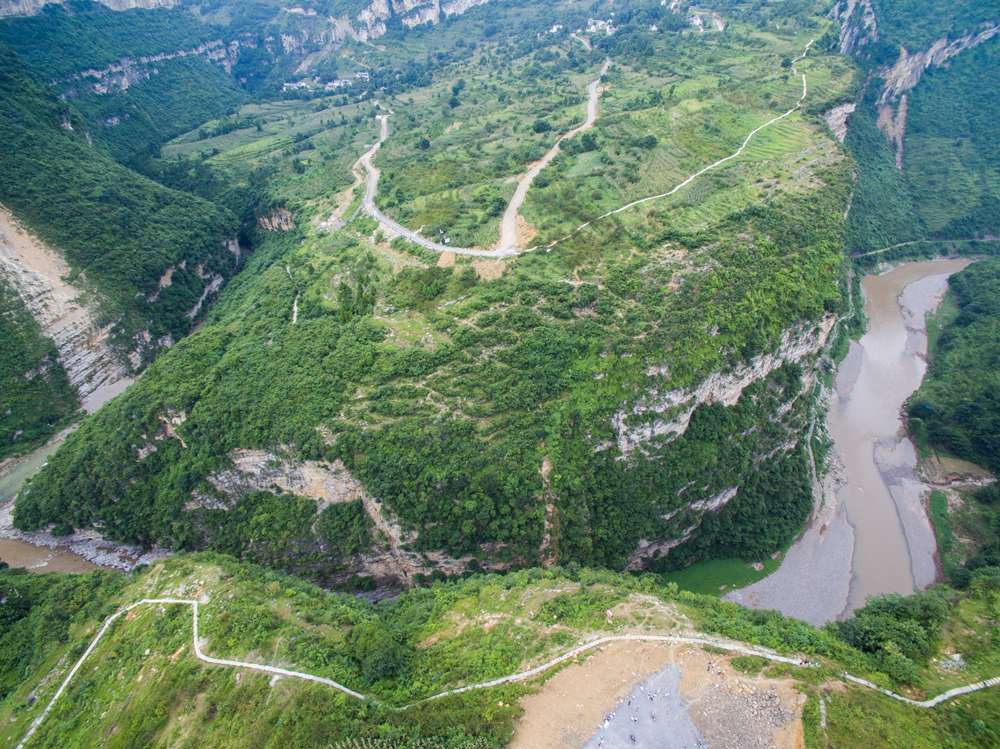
{"points": [[836, 119], [904, 75], [326, 483], [127, 71], [279, 219], [31, 7], [858, 26], [38, 273], [666, 414]]}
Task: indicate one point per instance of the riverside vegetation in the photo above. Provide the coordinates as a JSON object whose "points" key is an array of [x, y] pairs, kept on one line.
{"points": [[956, 411]]}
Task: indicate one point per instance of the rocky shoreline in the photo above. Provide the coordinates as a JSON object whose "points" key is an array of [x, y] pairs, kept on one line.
{"points": [[89, 545]]}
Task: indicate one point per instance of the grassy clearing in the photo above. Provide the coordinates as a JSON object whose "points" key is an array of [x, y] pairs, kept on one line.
{"points": [[717, 577]]}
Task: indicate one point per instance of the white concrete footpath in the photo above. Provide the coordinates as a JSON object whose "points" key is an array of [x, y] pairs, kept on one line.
{"points": [[717, 642]]}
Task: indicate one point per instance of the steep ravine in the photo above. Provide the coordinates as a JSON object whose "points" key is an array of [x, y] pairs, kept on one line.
{"points": [[904, 75], [38, 273]]}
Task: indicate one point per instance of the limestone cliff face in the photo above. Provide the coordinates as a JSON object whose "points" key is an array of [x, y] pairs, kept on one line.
{"points": [[127, 71], [660, 415], [390, 558], [372, 22], [298, 32], [904, 75], [907, 71], [858, 25], [32, 7], [61, 310]]}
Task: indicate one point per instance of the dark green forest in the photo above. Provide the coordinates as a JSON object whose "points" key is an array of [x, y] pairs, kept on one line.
{"points": [[957, 408], [948, 187]]}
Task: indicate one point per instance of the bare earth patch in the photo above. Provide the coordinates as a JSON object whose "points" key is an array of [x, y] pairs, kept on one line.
{"points": [[525, 232], [489, 270], [446, 260], [572, 704], [728, 709]]}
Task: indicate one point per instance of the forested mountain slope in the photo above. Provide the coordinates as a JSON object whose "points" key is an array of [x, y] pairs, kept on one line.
{"points": [[120, 232], [83, 82], [924, 132], [640, 396]]}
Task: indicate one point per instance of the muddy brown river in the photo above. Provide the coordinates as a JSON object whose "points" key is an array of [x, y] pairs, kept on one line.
{"points": [[870, 535]]}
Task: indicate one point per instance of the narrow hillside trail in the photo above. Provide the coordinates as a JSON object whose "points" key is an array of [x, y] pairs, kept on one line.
{"points": [[913, 242], [508, 225], [583, 40], [507, 246], [691, 639], [714, 165], [338, 219]]}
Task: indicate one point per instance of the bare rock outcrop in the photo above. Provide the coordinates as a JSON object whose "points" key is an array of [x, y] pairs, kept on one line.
{"points": [[128, 71], [38, 274], [836, 119], [32, 7], [279, 219], [666, 414], [904, 75], [858, 25], [907, 71], [327, 483]]}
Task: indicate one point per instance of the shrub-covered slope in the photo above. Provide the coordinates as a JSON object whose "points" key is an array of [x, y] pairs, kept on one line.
{"points": [[142, 684], [638, 397]]}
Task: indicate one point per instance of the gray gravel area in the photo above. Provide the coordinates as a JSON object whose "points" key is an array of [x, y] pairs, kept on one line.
{"points": [[813, 581], [653, 716]]}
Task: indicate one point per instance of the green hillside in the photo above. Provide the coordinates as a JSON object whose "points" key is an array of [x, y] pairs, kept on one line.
{"points": [[948, 184], [444, 390], [143, 686], [119, 231]]}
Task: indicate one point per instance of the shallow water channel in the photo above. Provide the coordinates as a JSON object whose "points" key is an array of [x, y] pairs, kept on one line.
{"points": [[871, 534], [17, 552]]}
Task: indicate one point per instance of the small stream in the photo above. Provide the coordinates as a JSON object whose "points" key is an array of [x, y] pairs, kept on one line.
{"points": [[871, 534]]}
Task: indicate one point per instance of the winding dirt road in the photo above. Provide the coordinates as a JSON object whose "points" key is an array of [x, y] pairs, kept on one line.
{"points": [[508, 225], [507, 246], [394, 228], [698, 640]]}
